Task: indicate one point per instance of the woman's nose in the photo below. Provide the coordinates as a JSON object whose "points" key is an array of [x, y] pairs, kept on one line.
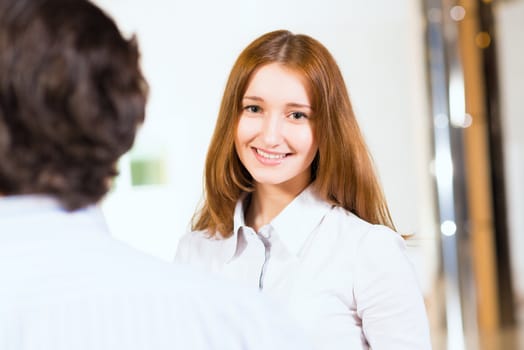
{"points": [[272, 130]]}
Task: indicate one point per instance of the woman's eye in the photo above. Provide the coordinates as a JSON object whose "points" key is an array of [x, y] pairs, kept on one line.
{"points": [[298, 115], [252, 109]]}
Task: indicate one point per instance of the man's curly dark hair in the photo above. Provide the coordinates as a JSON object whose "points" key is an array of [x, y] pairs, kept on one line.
{"points": [[71, 98]]}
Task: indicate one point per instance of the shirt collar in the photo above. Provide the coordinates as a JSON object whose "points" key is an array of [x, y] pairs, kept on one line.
{"points": [[235, 243], [22, 210], [23, 205], [239, 217], [293, 225]]}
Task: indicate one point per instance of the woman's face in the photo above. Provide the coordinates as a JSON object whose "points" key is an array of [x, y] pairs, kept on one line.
{"points": [[274, 137]]}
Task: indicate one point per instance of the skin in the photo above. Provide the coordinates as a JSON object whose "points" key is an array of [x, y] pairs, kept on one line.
{"points": [[275, 140]]}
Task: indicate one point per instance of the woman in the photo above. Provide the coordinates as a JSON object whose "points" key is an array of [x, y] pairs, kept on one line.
{"points": [[292, 204]]}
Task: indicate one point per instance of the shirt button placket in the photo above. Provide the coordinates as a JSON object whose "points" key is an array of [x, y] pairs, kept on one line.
{"points": [[264, 235]]}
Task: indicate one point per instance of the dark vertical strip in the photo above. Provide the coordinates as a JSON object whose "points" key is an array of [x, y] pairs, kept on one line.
{"points": [[495, 137]]}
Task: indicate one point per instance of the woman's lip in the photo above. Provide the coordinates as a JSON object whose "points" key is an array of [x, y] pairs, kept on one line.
{"points": [[270, 155], [269, 158]]}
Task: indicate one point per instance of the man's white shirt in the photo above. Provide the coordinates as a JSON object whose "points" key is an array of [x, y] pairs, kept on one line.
{"points": [[66, 284]]}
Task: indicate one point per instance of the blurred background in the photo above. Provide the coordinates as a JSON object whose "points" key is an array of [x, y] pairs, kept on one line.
{"points": [[438, 89]]}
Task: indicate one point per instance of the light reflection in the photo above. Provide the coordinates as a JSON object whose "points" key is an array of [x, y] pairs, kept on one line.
{"points": [[468, 120], [457, 100], [448, 228], [444, 168], [457, 13], [483, 40], [441, 121]]}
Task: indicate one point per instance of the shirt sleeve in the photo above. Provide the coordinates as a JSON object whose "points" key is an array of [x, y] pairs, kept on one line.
{"points": [[388, 297]]}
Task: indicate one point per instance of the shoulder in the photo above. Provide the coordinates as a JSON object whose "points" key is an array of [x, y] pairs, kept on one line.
{"points": [[351, 227], [356, 239], [382, 262], [379, 240], [200, 240], [199, 246], [373, 247], [383, 251], [196, 238], [124, 286]]}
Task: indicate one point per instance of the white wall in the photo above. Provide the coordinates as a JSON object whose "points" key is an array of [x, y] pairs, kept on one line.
{"points": [[510, 45], [188, 49]]}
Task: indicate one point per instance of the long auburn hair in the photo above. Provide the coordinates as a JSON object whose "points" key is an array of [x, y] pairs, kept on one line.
{"points": [[342, 171]]}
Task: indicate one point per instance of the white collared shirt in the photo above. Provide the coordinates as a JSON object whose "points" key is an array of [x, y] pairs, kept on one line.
{"points": [[65, 284], [348, 283]]}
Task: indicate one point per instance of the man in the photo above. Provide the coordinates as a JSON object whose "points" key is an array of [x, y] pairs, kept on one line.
{"points": [[71, 98]]}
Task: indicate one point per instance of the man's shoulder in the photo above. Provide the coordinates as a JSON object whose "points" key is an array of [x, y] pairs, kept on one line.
{"points": [[110, 281]]}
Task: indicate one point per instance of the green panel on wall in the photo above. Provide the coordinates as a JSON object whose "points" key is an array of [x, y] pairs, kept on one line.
{"points": [[147, 171]]}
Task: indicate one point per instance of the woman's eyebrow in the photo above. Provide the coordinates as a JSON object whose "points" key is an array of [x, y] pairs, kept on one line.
{"points": [[290, 104], [300, 105], [255, 98]]}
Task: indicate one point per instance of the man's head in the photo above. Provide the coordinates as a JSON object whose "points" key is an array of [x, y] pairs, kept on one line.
{"points": [[71, 98]]}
